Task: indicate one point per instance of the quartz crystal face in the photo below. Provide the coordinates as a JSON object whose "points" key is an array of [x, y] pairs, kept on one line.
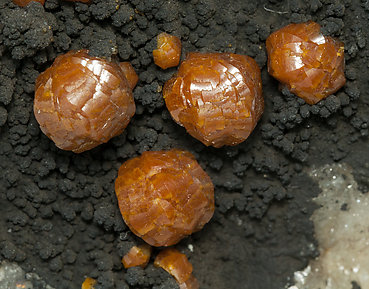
{"points": [[164, 196], [168, 52], [82, 101], [310, 64], [217, 97]]}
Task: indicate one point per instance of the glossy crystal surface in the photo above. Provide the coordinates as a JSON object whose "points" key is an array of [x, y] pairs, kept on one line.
{"points": [[168, 52], [310, 64], [175, 263], [137, 256], [129, 73], [89, 283], [217, 97], [190, 283], [82, 101], [164, 196]]}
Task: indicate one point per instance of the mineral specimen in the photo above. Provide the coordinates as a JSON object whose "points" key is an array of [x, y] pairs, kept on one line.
{"points": [[217, 97], [82, 101], [190, 283], [176, 264], [164, 196], [168, 52], [310, 64], [137, 256], [89, 283]]}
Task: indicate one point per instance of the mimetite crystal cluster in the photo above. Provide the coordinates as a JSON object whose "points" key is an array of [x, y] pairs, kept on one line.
{"points": [[164, 196], [310, 64], [168, 52], [82, 101], [217, 97]]}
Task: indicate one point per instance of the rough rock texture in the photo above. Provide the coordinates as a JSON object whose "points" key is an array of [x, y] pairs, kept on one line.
{"points": [[342, 235], [23, 3], [59, 212]]}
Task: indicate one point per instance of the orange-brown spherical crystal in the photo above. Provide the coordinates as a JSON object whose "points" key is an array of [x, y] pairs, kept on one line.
{"points": [[82, 101], [164, 196], [168, 52], [217, 97], [310, 64], [23, 3]]}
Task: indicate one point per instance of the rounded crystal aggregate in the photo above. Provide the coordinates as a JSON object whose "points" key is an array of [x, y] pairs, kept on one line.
{"points": [[168, 52], [310, 64], [82, 101], [217, 97], [164, 196]]}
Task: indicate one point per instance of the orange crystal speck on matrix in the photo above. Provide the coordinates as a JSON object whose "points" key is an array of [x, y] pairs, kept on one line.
{"points": [[129, 73], [23, 3], [137, 256], [82, 101], [175, 263], [164, 196], [217, 97], [89, 283], [310, 64], [168, 52]]}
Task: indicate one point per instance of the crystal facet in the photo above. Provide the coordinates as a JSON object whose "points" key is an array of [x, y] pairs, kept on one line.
{"points": [[82, 101], [168, 52], [217, 97], [308, 63], [164, 196]]}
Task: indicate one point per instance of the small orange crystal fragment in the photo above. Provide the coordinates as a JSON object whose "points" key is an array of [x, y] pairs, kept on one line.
{"points": [[89, 283], [310, 64], [217, 97], [23, 3], [164, 196], [168, 52], [129, 73], [175, 263], [191, 283], [82, 101], [137, 256]]}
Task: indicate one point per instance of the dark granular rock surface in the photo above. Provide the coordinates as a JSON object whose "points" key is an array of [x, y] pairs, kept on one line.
{"points": [[60, 217]]}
